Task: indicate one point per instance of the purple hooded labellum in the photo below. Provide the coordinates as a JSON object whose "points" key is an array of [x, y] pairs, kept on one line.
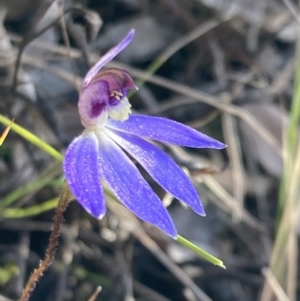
{"points": [[97, 154]]}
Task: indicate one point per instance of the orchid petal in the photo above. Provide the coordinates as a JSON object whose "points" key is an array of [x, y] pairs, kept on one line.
{"points": [[81, 168], [165, 130], [92, 104], [108, 56], [117, 79], [162, 169], [126, 182]]}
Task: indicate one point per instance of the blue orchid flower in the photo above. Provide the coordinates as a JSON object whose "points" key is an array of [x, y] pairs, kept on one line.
{"points": [[98, 153]]}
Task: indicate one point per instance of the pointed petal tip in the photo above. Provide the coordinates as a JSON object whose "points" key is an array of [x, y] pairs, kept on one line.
{"points": [[171, 231], [174, 235], [108, 56], [220, 145], [199, 209], [128, 38], [213, 143], [166, 226], [131, 32], [97, 213], [101, 216]]}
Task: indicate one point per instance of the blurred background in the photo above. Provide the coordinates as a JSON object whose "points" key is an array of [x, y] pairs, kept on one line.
{"points": [[228, 68]]}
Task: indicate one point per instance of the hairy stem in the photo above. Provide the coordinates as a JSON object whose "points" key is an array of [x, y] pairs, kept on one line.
{"points": [[64, 198]]}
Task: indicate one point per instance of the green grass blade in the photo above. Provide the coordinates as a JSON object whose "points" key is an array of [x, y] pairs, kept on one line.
{"points": [[32, 138], [30, 211]]}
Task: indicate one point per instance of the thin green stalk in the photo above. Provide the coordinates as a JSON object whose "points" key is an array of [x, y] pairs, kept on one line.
{"points": [[32, 138], [28, 188], [295, 108], [282, 265], [29, 211], [292, 138], [210, 258]]}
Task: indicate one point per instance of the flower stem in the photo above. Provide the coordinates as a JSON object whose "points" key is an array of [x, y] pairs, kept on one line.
{"points": [[64, 198], [210, 258]]}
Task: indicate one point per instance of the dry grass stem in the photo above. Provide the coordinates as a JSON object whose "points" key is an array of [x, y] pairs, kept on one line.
{"points": [[235, 158], [284, 247], [274, 285], [229, 203]]}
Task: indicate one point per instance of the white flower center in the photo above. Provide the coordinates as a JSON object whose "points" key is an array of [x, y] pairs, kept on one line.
{"points": [[119, 108]]}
